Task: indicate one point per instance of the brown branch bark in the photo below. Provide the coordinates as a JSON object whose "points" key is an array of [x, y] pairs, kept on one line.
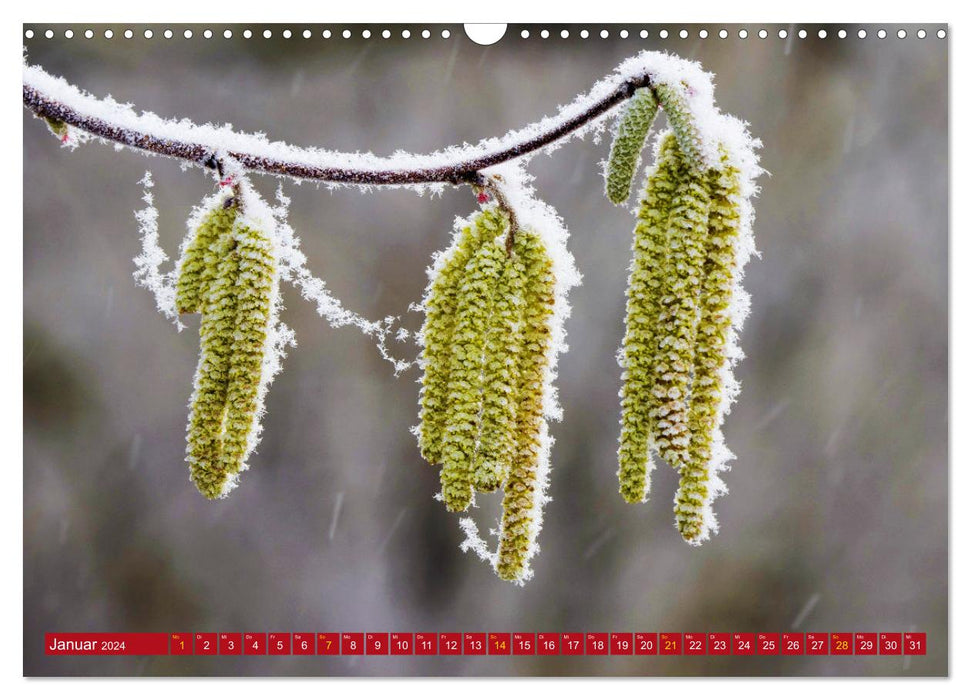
{"points": [[461, 172]]}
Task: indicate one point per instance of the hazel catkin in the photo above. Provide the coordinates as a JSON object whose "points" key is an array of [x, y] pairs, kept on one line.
{"points": [[228, 274], [639, 348], [522, 490], [625, 151]]}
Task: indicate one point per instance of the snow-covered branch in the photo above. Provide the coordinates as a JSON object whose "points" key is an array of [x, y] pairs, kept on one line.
{"points": [[56, 100]]}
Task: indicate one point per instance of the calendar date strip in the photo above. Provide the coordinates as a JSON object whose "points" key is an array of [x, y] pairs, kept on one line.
{"points": [[487, 644]]}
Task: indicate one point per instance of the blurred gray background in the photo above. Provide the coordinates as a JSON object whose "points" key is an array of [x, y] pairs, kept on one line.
{"points": [[837, 515]]}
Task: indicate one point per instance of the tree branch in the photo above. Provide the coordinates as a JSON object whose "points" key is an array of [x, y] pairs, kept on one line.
{"points": [[462, 171]]}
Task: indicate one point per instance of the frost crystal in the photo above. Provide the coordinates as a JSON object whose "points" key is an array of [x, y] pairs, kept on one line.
{"points": [[148, 264]]}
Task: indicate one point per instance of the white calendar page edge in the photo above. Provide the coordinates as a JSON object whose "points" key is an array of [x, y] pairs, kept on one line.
{"points": [[11, 278]]}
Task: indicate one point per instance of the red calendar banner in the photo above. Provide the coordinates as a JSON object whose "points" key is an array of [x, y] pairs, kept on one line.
{"points": [[180, 644], [891, 643], [767, 644], [523, 643], [328, 643], [206, 643], [645, 643], [572, 644], [254, 643], [426, 643], [793, 644], [105, 644], [450, 644], [694, 644], [621, 643], [278, 643], [841, 644], [474, 643], [817, 643], [402, 644], [376, 643], [500, 644], [598, 644], [719, 643], [865, 643], [915, 643], [670, 644], [230, 643], [352, 643], [548, 643], [303, 643], [743, 644], [489, 644]]}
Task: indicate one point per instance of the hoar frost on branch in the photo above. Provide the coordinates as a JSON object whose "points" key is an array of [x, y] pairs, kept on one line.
{"points": [[496, 302]]}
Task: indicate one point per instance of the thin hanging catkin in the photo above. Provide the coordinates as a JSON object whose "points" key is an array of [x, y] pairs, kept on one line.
{"points": [[473, 314], [518, 529], [253, 290], [711, 359], [504, 345], [644, 296], [440, 303], [625, 151], [680, 293]]}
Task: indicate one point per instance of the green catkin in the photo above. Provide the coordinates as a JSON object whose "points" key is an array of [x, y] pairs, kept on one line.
{"points": [[687, 235], [208, 404], [497, 439], [254, 298], [673, 98], [643, 311], [710, 353], [227, 273], [473, 314], [194, 275], [521, 490], [440, 304], [625, 151]]}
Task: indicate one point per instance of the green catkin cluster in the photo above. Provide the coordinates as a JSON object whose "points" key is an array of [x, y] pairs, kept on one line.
{"points": [[227, 273], [678, 323], [483, 387], [714, 327], [625, 152]]}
